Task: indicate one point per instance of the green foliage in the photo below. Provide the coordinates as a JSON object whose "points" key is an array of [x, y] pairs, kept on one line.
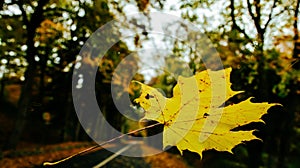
{"points": [[260, 54], [65, 26], [250, 39]]}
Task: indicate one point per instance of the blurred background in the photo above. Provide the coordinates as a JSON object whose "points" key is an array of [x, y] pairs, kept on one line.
{"points": [[39, 46]]}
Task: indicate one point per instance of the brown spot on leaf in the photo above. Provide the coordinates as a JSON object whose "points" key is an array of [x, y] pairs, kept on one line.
{"points": [[149, 96], [205, 115]]}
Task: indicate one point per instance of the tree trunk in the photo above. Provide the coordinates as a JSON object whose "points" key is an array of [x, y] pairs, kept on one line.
{"points": [[2, 88], [296, 63], [26, 94], [23, 109]]}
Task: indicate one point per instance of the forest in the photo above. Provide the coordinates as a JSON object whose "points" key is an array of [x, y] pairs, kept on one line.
{"points": [[66, 72]]}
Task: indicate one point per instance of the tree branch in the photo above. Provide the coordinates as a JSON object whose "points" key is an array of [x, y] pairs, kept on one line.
{"points": [[250, 9], [256, 18], [270, 14], [234, 24], [257, 10], [23, 12], [296, 31], [58, 9]]}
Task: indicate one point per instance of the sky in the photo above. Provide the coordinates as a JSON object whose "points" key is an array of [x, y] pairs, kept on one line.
{"points": [[154, 50]]}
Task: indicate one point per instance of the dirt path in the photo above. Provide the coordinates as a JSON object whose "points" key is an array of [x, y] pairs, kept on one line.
{"points": [[36, 155]]}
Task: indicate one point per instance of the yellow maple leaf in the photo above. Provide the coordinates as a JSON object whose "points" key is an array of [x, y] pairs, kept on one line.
{"points": [[195, 117]]}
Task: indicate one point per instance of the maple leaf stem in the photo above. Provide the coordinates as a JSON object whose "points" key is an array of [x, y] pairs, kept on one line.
{"points": [[99, 145]]}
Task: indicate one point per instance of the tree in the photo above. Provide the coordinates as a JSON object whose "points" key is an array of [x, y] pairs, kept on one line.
{"points": [[247, 35], [244, 38], [54, 32], [31, 24]]}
